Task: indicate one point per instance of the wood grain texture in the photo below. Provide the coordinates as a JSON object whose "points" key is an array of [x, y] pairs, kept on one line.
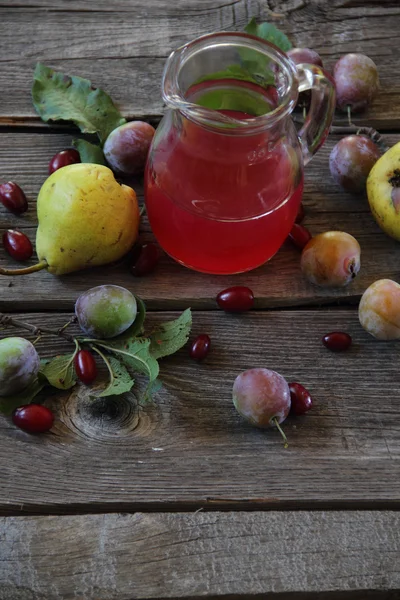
{"points": [[191, 449], [122, 46], [24, 158], [121, 556]]}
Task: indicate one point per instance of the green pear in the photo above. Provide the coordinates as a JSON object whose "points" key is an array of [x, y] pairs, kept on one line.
{"points": [[86, 219]]}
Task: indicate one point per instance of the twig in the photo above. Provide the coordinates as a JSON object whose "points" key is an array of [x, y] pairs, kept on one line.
{"points": [[8, 320]]}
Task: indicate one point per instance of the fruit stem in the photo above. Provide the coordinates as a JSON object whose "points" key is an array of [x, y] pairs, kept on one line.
{"points": [[7, 320], [26, 270], [275, 421], [349, 115], [375, 136]]}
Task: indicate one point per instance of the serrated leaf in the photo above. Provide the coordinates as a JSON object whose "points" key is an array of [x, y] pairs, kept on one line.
{"points": [[89, 153], [270, 33], [57, 96], [134, 353], [60, 372], [120, 379], [171, 336], [10, 403]]}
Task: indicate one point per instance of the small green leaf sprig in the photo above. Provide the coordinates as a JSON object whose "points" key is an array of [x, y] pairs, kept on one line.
{"points": [[132, 351]]}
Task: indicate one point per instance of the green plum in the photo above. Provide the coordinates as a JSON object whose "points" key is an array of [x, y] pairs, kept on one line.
{"points": [[19, 365], [105, 311]]}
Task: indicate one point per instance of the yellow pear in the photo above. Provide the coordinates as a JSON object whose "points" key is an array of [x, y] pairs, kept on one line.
{"points": [[383, 190], [86, 219]]}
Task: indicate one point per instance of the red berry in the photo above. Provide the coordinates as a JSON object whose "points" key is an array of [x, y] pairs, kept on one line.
{"points": [[300, 214], [85, 367], [337, 341], [33, 418], [236, 299], [300, 398], [200, 347], [13, 197], [17, 244], [64, 158], [145, 259], [299, 236]]}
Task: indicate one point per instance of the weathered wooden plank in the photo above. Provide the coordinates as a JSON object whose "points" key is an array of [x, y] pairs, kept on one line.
{"points": [[125, 55], [121, 556], [24, 158], [191, 449]]}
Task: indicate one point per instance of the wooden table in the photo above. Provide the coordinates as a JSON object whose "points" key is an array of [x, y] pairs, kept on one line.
{"points": [[184, 500]]}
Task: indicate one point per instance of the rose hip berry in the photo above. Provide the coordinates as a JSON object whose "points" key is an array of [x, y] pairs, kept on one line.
{"points": [[200, 347], [64, 158], [33, 418], [300, 399], [13, 198], [145, 259], [299, 236], [337, 341], [17, 244], [236, 299], [85, 367]]}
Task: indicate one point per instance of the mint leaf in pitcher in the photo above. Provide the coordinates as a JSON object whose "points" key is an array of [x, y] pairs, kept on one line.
{"points": [[60, 97], [253, 61]]}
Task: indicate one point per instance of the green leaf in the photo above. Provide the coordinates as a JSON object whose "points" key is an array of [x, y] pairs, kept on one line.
{"points": [[270, 33], [89, 153], [9, 403], [134, 353], [171, 336], [235, 99], [120, 379], [70, 98], [60, 372], [152, 388], [232, 72]]}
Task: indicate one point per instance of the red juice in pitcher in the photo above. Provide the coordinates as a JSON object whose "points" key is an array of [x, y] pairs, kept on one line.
{"points": [[220, 201]]}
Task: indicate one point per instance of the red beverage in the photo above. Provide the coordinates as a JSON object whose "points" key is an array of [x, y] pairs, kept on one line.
{"points": [[219, 201]]}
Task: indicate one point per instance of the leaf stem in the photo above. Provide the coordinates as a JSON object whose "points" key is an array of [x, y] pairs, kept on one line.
{"points": [[275, 421], [8, 320], [349, 115], [100, 353]]}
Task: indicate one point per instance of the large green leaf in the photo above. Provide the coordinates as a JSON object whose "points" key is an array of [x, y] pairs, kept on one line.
{"points": [[57, 96]]}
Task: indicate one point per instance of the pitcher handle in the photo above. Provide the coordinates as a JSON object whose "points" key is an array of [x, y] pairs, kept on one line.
{"points": [[320, 114]]}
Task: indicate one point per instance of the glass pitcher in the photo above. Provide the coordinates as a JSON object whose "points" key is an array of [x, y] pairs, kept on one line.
{"points": [[224, 176]]}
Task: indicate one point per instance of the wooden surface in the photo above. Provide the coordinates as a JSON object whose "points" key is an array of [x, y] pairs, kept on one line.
{"points": [[110, 557], [189, 450]]}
